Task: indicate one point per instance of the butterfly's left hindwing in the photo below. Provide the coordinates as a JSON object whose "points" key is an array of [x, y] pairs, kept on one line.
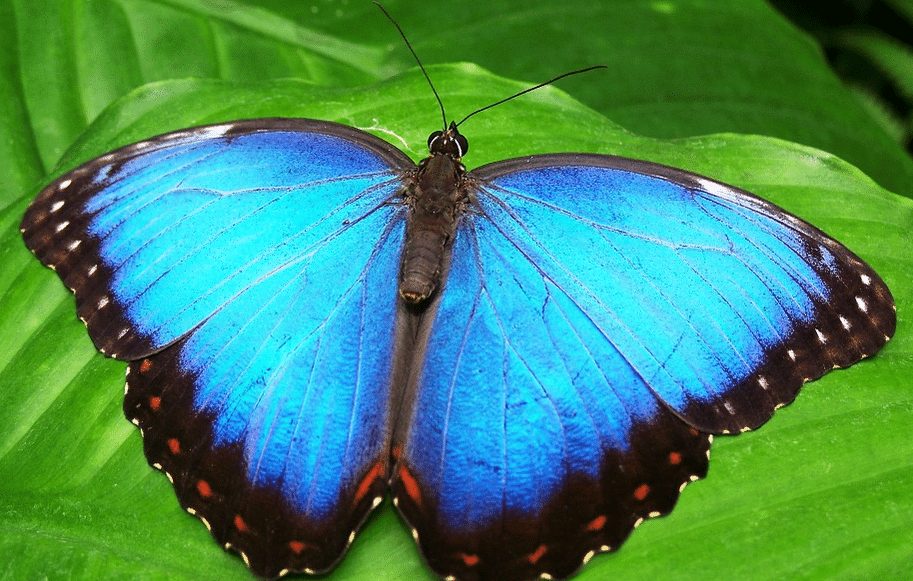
{"points": [[246, 270]]}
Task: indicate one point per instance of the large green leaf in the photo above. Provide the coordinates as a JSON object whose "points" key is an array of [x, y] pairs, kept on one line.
{"points": [[676, 67], [822, 489]]}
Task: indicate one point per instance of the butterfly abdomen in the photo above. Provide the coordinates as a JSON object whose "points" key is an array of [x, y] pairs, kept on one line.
{"points": [[435, 199]]}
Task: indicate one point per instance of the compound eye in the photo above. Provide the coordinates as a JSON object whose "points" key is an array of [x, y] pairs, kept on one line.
{"points": [[432, 138], [462, 143]]}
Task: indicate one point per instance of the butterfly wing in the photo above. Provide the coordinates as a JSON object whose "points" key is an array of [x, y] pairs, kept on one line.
{"points": [[156, 236], [601, 316], [245, 270]]}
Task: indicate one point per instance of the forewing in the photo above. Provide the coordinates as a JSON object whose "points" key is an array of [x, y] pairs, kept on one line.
{"points": [[155, 237], [724, 303]]}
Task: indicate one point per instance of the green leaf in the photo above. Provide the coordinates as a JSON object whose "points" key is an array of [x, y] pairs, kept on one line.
{"points": [[820, 490], [677, 68], [888, 55]]}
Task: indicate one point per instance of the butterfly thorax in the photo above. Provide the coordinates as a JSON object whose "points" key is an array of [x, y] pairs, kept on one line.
{"points": [[436, 198]]}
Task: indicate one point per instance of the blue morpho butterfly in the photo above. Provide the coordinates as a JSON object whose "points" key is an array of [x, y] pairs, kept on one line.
{"points": [[530, 357]]}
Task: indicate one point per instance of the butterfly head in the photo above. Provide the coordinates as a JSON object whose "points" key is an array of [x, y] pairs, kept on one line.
{"points": [[450, 142]]}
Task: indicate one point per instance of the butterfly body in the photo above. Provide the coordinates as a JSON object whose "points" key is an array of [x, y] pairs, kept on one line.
{"points": [[529, 357], [436, 196]]}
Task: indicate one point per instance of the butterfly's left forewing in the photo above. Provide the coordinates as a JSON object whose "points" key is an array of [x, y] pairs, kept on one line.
{"points": [[246, 270], [156, 236]]}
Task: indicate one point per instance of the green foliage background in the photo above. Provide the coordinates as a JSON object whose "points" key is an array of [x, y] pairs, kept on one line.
{"points": [[730, 90]]}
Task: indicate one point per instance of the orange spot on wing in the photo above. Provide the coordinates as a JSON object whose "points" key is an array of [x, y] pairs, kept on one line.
{"points": [[174, 445], [411, 486], [675, 458], [540, 552], [370, 478], [469, 560], [204, 488], [155, 402], [596, 524], [641, 491], [145, 366], [240, 524], [297, 546]]}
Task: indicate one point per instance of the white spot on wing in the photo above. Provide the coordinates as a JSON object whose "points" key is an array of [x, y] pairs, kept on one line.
{"points": [[60, 227], [792, 354], [866, 279], [57, 205], [762, 381], [216, 130], [729, 407], [821, 336], [93, 269], [64, 185], [104, 301], [715, 188], [860, 302], [845, 323], [74, 245]]}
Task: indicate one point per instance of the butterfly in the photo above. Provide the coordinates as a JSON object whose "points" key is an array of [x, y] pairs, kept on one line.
{"points": [[530, 357]]}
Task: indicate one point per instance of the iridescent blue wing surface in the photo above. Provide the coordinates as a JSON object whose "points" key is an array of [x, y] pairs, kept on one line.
{"points": [[245, 270], [601, 318]]}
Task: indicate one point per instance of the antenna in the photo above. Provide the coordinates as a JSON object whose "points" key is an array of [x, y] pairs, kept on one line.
{"points": [[438, 97], [420, 65], [525, 91]]}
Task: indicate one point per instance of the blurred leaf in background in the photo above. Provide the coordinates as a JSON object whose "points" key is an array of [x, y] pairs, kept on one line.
{"points": [[869, 44], [712, 87]]}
